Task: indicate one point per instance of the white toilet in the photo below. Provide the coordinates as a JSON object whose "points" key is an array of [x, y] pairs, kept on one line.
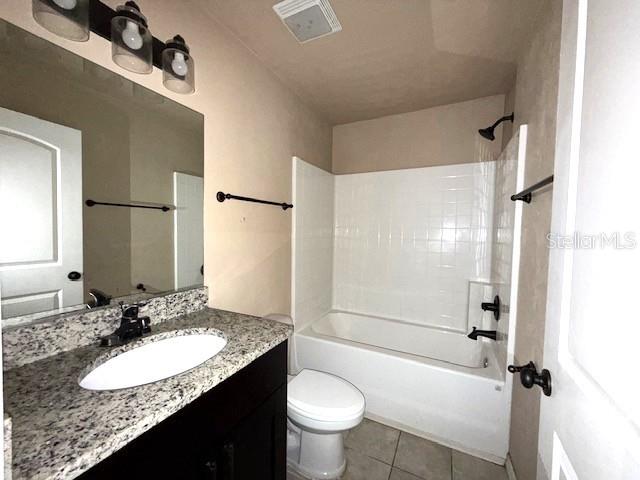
{"points": [[320, 408]]}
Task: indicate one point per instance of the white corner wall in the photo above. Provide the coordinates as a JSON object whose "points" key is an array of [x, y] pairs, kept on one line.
{"points": [[505, 265], [407, 242], [312, 262]]}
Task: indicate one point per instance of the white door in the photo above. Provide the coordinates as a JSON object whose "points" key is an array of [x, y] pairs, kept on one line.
{"points": [[40, 214], [590, 426], [188, 192]]}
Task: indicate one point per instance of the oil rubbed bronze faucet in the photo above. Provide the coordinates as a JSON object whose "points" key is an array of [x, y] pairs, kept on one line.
{"points": [[131, 326], [475, 333]]}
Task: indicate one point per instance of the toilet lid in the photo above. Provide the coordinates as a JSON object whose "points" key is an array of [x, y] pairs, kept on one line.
{"points": [[324, 396]]}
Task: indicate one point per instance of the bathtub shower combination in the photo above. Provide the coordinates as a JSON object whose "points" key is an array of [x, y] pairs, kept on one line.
{"points": [[421, 380], [388, 273]]}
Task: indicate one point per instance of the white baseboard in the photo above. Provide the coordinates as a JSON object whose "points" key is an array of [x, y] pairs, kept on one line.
{"points": [[508, 464]]}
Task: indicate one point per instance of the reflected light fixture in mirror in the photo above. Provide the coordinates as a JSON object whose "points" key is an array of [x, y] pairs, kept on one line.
{"points": [[66, 18], [131, 40], [177, 66]]}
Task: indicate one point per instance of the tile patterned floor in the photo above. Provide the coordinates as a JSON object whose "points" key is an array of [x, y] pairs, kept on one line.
{"points": [[377, 452]]}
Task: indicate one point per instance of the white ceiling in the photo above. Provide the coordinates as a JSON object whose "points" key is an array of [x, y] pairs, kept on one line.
{"points": [[392, 56]]}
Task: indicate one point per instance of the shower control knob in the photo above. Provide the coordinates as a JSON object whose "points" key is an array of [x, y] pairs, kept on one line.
{"points": [[529, 377], [492, 307]]}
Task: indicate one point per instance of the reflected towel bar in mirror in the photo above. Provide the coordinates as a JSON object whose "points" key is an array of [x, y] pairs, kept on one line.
{"points": [[221, 196], [525, 195], [164, 208]]}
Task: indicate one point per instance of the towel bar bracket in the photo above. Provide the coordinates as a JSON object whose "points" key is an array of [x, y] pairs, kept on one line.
{"points": [[525, 195]]}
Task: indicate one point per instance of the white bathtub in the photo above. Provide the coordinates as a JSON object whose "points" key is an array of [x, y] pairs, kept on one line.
{"points": [[426, 381], [437, 344]]}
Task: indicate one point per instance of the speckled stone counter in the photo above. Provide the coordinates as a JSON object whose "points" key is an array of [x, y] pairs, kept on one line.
{"points": [[26, 343], [7, 447], [60, 430]]}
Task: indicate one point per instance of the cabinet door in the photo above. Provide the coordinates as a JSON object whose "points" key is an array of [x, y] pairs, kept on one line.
{"points": [[256, 448]]}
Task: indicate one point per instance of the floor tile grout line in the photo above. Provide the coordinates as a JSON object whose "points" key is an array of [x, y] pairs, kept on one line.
{"points": [[395, 452], [392, 466], [408, 473]]}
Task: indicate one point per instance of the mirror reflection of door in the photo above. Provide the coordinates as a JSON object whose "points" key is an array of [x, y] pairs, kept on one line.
{"points": [[40, 215], [188, 191]]}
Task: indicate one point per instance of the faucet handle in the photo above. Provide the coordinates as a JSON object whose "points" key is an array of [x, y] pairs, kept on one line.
{"points": [[126, 306], [130, 311]]}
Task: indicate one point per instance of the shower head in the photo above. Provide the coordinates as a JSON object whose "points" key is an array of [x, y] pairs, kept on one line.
{"points": [[488, 132]]}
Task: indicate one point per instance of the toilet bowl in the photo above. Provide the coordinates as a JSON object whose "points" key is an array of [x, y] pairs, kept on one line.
{"points": [[320, 408]]}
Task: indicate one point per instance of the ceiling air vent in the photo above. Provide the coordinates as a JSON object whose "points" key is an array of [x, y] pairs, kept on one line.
{"points": [[308, 19]]}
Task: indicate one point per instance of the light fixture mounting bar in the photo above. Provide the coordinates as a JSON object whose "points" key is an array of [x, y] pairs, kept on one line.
{"points": [[100, 16]]}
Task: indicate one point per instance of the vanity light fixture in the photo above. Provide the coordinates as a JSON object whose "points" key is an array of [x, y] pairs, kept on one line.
{"points": [[66, 18], [177, 66], [131, 40], [132, 45]]}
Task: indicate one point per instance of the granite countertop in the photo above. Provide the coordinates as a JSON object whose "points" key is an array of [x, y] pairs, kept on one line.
{"points": [[61, 430]]}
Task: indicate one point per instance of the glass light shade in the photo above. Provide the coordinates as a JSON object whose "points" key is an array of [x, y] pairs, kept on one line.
{"points": [[178, 70], [66, 18], [131, 40]]}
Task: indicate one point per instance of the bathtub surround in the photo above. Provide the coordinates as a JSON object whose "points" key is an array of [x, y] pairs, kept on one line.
{"points": [[407, 242], [68, 331], [87, 427], [444, 135], [312, 237], [402, 244]]}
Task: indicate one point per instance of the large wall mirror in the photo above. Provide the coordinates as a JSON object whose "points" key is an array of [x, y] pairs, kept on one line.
{"points": [[73, 133]]}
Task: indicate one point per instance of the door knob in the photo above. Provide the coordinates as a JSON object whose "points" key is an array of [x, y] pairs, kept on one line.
{"points": [[74, 276], [492, 307], [529, 377]]}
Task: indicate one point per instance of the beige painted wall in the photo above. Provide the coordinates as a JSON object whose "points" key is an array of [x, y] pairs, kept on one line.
{"points": [[253, 126], [535, 104], [443, 135], [152, 165]]}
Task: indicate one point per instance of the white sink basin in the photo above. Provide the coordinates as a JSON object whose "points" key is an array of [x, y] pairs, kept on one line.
{"points": [[153, 361]]}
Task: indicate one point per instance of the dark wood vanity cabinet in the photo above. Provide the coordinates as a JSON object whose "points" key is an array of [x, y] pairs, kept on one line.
{"points": [[236, 431]]}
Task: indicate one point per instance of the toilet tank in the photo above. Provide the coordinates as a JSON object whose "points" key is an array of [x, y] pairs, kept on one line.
{"points": [[292, 363]]}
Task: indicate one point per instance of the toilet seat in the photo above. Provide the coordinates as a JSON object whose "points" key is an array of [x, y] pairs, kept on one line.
{"points": [[324, 402]]}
